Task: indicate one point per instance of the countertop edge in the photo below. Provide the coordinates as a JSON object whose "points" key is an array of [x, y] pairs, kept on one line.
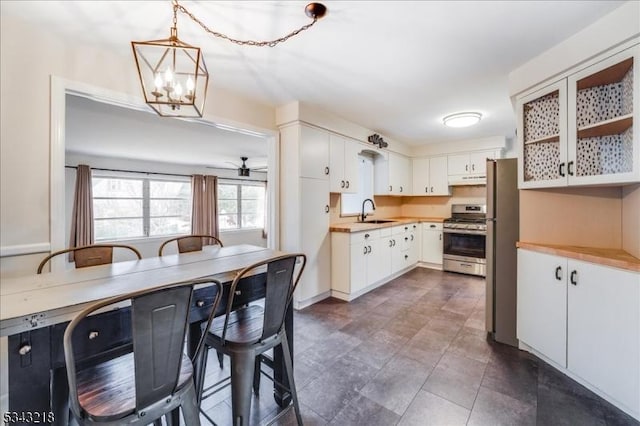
{"points": [[360, 226], [616, 258]]}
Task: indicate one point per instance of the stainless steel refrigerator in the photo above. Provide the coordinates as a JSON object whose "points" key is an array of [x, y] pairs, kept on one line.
{"points": [[502, 234]]}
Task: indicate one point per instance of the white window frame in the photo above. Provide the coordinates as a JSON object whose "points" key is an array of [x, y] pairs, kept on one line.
{"points": [[146, 179], [240, 184]]}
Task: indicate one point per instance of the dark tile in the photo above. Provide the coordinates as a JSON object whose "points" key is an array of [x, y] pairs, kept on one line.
{"points": [[469, 344], [557, 407], [365, 326], [453, 386], [328, 350], [616, 417], [550, 377], [407, 324], [460, 305], [288, 417], [429, 409], [363, 411], [334, 388], [379, 348], [468, 366], [494, 408], [517, 378], [395, 386]]}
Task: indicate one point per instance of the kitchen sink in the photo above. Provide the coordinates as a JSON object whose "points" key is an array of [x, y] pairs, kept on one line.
{"points": [[378, 221]]}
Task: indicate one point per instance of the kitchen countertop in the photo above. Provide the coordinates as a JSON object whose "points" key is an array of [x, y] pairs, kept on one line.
{"points": [[616, 258], [363, 226]]}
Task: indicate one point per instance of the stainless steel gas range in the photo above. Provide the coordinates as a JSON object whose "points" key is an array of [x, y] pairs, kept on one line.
{"points": [[464, 235]]}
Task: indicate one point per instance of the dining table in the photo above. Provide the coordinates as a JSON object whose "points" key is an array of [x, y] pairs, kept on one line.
{"points": [[35, 310]]}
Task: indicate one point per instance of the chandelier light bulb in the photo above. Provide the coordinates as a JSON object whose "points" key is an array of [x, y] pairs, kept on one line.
{"points": [[168, 76], [190, 85], [178, 90], [158, 82]]}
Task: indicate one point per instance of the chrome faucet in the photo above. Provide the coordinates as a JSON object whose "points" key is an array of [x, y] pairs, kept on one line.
{"points": [[364, 215]]}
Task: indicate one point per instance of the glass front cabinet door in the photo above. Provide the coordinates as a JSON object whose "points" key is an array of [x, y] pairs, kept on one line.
{"points": [[542, 137], [603, 141]]}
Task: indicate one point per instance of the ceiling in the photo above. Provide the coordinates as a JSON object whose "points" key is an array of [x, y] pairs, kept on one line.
{"points": [[396, 67], [100, 129]]}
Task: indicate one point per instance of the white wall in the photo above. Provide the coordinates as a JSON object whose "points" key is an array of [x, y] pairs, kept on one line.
{"points": [[29, 56]]}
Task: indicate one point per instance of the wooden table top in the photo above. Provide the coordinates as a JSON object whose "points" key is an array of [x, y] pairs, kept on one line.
{"points": [[36, 301]]}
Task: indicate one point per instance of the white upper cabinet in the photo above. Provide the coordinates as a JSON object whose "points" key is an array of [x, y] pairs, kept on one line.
{"points": [[579, 130], [430, 176], [469, 168], [392, 175], [343, 165], [314, 153]]}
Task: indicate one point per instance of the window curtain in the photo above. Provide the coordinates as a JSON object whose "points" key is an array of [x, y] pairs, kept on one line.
{"points": [[82, 213], [204, 210]]}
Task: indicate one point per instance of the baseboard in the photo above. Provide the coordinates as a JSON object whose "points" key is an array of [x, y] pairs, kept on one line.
{"points": [[301, 304], [428, 265]]}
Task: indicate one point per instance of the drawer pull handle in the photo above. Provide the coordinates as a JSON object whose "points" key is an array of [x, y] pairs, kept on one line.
{"points": [[366, 235], [200, 303], [559, 273], [326, 170], [24, 349], [93, 335], [432, 226], [342, 183], [347, 184], [574, 277]]}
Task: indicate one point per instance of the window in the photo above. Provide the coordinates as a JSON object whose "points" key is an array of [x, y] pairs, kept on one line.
{"points": [[241, 205], [130, 207]]}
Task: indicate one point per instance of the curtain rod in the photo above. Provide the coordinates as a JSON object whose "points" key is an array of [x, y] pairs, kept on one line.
{"points": [[163, 174]]}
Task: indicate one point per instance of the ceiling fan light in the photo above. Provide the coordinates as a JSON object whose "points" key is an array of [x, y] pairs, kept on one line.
{"points": [[462, 119]]}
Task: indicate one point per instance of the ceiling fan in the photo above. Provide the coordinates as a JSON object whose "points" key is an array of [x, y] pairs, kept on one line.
{"points": [[243, 170]]}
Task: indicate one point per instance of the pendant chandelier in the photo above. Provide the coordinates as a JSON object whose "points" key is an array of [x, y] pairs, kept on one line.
{"points": [[173, 74]]}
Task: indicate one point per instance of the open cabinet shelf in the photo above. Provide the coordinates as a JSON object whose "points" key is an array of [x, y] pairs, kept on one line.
{"points": [[612, 126]]}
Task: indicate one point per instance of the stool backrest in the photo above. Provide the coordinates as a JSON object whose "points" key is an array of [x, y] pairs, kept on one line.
{"points": [[92, 255], [282, 276], [189, 243], [159, 322]]}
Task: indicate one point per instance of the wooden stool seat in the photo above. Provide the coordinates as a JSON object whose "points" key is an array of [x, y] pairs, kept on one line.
{"points": [[108, 391], [245, 325]]}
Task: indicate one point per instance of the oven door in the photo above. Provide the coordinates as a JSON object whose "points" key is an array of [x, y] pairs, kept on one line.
{"points": [[466, 245]]}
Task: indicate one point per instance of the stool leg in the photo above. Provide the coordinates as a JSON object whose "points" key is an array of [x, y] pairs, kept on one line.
{"points": [[256, 375], [190, 408], [242, 370], [292, 385]]}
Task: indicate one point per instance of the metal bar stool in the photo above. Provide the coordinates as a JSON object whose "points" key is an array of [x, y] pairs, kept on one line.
{"points": [[246, 333], [157, 377]]}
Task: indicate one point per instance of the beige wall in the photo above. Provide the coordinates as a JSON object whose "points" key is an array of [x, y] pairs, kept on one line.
{"points": [[28, 59], [572, 216]]}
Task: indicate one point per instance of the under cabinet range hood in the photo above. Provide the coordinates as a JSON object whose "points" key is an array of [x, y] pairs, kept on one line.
{"points": [[468, 180]]}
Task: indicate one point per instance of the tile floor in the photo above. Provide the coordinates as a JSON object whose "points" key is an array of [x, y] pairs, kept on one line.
{"points": [[414, 352]]}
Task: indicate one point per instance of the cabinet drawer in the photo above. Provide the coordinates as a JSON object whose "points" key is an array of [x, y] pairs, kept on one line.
{"points": [[95, 335], [404, 229], [361, 237], [431, 226]]}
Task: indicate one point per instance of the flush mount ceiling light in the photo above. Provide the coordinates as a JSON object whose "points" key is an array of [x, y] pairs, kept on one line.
{"points": [[462, 119], [173, 74]]}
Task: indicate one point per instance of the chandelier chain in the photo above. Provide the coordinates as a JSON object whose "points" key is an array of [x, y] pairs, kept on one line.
{"points": [[269, 43]]}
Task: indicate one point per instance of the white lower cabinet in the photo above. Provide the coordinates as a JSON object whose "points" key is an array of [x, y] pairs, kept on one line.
{"points": [[542, 304], [586, 318], [431, 243], [360, 261]]}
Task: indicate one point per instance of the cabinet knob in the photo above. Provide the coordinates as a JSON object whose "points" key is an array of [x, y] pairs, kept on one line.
{"points": [[406, 256], [24, 349], [406, 238], [366, 235], [432, 226], [93, 335]]}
